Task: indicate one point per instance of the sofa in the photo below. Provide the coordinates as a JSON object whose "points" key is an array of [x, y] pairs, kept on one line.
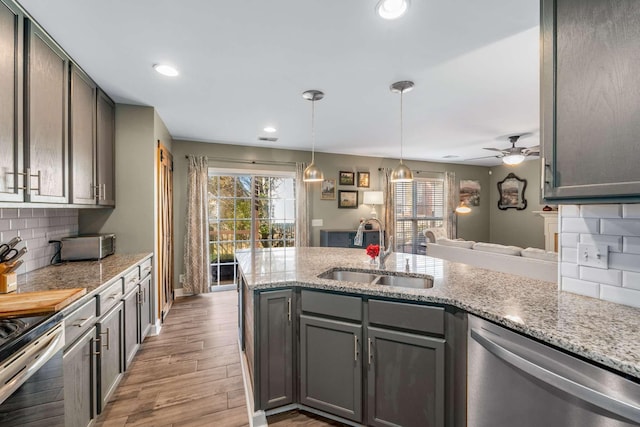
{"points": [[528, 262]]}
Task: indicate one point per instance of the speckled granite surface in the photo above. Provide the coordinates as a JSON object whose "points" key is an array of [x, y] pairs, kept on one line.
{"points": [[79, 274], [597, 330]]}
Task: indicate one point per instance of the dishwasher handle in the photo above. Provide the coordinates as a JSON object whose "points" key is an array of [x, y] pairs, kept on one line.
{"points": [[615, 406]]}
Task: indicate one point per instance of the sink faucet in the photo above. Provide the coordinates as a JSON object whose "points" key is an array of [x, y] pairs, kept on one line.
{"points": [[382, 254]]}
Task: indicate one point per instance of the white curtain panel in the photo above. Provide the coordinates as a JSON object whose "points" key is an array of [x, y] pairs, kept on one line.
{"points": [[450, 203], [302, 208], [196, 244], [389, 211]]}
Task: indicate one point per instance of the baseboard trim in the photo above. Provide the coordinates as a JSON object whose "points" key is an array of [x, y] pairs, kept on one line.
{"points": [[177, 293]]}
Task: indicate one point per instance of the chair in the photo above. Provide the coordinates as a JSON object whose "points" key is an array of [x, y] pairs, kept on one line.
{"points": [[433, 234]]}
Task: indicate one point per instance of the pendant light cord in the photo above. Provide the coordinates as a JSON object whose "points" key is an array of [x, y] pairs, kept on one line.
{"points": [[401, 135], [313, 130]]}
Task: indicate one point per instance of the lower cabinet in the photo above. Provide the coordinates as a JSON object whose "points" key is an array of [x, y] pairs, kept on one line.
{"points": [[80, 381], [405, 379], [331, 366], [276, 348], [131, 328], [145, 308], [110, 330]]}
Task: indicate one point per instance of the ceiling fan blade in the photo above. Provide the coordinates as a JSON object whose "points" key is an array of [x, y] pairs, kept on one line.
{"points": [[484, 157], [494, 149]]}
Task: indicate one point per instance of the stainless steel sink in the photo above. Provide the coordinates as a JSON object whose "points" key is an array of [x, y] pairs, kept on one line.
{"points": [[376, 278]]}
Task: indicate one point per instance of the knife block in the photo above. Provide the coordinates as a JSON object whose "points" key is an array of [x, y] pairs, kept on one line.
{"points": [[8, 282]]}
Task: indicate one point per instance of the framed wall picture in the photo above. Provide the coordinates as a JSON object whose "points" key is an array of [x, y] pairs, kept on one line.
{"points": [[347, 178], [511, 191], [348, 199], [328, 189], [470, 192], [363, 179]]}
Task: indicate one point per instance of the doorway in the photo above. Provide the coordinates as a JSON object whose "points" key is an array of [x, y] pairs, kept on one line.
{"points": [[165, 230]]}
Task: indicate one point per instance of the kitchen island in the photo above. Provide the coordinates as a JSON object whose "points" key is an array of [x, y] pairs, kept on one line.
{"points": [[594, 330]]}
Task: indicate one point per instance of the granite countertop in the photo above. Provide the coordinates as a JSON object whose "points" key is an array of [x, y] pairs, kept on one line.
{"points": [[597, 330], [79, 274]]}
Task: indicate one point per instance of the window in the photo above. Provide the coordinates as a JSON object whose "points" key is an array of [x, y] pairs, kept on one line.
{"points": [[247, 211], [418, 205]]}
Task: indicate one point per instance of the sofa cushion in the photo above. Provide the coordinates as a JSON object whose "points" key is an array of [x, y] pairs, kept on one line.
{"points": [[539, 254], [499, 249], [466, 244]]}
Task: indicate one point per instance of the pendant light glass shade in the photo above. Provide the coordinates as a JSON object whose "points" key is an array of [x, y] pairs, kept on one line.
{"points": [[313, 173], [401, 173]]}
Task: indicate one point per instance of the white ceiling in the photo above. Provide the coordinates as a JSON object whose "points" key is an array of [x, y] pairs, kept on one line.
{"points": [[245, 63]]}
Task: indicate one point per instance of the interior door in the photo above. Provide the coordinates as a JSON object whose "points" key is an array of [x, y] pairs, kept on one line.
{"points": [[165, 230]]}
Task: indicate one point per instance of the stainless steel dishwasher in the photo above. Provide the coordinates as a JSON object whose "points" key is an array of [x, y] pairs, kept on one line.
{"points": [[516, 381]]}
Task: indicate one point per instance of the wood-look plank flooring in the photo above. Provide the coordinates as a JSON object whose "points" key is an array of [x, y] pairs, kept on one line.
{"points": [[190, 374]]}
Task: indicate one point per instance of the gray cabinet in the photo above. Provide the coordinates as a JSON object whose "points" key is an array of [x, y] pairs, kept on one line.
{"points": [[11, 99], [105, 150], [131, 325], [590, 110], [80, 381], [110, 361], [275, 349], [145, 308], [46, 97], [344, 238], [82, 137], [406, 377], [331, 366]]}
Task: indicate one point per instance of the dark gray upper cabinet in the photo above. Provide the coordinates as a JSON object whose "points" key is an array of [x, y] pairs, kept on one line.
{"points": [[276, 349], [11, 82], [105, 160], [82, 138], [589, 106], [46, 127]]}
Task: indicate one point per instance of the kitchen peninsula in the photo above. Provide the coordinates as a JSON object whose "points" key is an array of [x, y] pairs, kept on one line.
{"points": [[278, 281]]}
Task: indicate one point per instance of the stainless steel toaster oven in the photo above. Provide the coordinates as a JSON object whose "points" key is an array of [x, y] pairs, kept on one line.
{"points": [[87, 247]]}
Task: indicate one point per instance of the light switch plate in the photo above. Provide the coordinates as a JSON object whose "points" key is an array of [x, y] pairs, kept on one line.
{"points": [[591, 255], [316, 222]]}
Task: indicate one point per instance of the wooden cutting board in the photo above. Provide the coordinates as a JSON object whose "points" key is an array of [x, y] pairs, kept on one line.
{"points": [[37, 303]]}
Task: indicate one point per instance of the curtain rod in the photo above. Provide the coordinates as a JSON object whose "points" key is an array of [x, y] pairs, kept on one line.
{"points": [[414, 170], [252, 162]]}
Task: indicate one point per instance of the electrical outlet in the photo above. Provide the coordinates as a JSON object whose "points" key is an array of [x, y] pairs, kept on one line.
{"points": [[316, 222], [591, 255], [181, 278]]}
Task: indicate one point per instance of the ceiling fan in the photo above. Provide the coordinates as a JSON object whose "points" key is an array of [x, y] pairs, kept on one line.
{"points": [[513, 155]]}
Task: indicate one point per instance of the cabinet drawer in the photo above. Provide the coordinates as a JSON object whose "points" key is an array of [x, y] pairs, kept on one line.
{"points": [[79, 321], [415, 317], [110, 296], [145, 268], [131, 279], [332, 305]]}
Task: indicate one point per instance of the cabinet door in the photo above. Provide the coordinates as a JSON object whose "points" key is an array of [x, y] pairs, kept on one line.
{"points": [[11, 48], [331, 366], [405, 379], [146, 310], [110, 366], [80, 381], [276, 349], [46, 118], [130, 326], [590, 91], [82, 138], [105, 167]]}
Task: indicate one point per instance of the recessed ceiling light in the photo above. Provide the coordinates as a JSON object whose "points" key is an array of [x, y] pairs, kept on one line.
{"points": [[392, 9], [166, 70], [270, 129]]}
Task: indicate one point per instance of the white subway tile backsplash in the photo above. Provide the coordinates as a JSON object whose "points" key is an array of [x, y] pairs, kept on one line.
{"points": [[9, 213], [5, 224], [569, 240], [569, 255], [614, 242], [568, 269], [631, 210], [621, 227], [631, 245], [581, 225], [627, 262], [631, 280], [599, 275], [620, 295], [567, 211], [581, 287], [601, 211]]}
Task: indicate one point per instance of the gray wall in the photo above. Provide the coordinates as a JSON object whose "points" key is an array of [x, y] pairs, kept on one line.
{"points": [[513, 227], [475, 226]]}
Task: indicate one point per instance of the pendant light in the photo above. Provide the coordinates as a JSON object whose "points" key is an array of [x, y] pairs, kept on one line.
{"points": [[313, 173], [401, 173]]}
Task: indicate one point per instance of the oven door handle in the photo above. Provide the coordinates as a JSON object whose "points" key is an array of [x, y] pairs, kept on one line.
{"points": [[18, 371], [626, 410]]}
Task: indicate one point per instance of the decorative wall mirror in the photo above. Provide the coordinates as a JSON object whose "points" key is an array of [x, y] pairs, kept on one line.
{"points": [[511, 191]]}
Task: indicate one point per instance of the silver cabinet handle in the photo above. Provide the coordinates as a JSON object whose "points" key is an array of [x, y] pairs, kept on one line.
{"points": [[107, 334], [355, 348], [103, 193], [144, 294], [289, 308], [139, 298], [96, 191], [24, 185], [369, 350], [621, 408], [83, 322], [114, 295], [96, 344]]}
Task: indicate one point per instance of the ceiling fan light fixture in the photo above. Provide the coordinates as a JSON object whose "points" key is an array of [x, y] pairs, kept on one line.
{"points": [[312, 173], [513, 159], [392, 9], [401, 173]]}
